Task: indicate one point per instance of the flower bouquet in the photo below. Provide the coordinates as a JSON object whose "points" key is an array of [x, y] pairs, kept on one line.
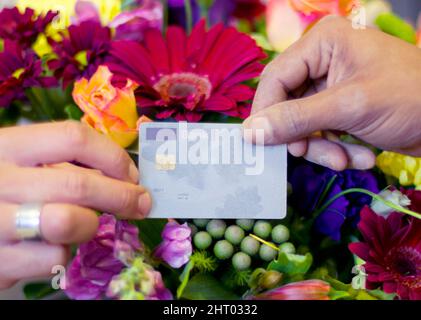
{"points": [[117, 64]]}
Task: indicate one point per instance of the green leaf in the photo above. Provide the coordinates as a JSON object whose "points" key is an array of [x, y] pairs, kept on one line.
{"points": [[381, 295], [262, 41], [150, 231], [395, 26], [339, 295], [206, 287], [38, 290], [73, 112], [292, 264], [184, 278]]}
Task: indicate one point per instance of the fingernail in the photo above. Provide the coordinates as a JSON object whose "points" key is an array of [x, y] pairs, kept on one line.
{"points": [[260, 123], [145, 203], [133, 173]]}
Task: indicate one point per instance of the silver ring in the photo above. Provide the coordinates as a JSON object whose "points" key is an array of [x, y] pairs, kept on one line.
{"points": [[28, 221]]}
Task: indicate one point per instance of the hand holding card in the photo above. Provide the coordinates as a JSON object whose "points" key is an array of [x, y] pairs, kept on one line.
{"points": [[207, 170]]}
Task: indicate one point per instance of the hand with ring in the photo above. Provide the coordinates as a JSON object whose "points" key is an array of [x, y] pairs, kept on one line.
{"points": [[44, 196]]}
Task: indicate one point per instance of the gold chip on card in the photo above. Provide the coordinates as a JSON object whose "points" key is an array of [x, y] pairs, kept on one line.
{"points": [[165, 162]]}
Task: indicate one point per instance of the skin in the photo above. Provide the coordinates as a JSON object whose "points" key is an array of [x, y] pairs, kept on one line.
{"points": [[362, 82], [34, 167]]}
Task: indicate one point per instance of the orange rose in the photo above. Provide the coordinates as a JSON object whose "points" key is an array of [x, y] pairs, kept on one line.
{"points": [[108, 109]]}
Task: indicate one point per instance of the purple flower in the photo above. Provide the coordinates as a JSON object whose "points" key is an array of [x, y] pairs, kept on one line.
{"points": [[23, 28], [131, 25], [225, 11], [19, 69], [100, 259], [309, 181], [81, 51], [176, 247], [159, 291]]}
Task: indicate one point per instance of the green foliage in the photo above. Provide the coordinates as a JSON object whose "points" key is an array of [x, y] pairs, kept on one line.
{"points": [[48, 103], [150, 231], [73, 112], [292, 264], [395, 26], [344, 291], [203, 262], [38, 290], [184, 278], [206, 287], [9, 116]]}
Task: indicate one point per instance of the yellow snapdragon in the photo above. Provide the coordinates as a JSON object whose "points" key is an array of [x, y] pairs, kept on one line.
{"points": [[405, 168]]}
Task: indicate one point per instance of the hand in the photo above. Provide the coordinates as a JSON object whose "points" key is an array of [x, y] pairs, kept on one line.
{"points": [[32, 170], [363, 82]]}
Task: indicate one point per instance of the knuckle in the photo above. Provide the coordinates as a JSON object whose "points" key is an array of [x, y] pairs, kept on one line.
{"points": [[76, 133], [128, 199], [76, 185], [293, 113], [120, 160], [331, 27]]}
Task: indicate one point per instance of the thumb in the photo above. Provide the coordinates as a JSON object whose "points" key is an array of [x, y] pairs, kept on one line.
{"points": [[292, 120]]}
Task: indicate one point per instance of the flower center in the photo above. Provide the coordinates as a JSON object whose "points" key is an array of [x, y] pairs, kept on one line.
{"points": [[18, 73], [82, 58], [183, 85], [101, 97], [405, 262]]}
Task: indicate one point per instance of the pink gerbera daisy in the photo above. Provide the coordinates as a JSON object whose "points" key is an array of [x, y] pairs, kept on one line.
{"points": [[183, 77], [392, 253]]}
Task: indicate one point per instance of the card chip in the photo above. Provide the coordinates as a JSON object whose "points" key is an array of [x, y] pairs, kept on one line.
{"points": [[165, 162]]}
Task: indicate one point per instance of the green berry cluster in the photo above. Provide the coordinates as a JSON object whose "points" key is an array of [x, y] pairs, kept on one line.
{"points": [[228, 240]]}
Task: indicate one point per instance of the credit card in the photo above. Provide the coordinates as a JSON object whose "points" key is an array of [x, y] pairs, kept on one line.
{"points": [[207, 170]]}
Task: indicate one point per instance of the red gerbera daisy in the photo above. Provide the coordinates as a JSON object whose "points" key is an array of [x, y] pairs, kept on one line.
{"points": [[23, 28], [19, 69], [81, 51], [392, 253], [183, 77]]}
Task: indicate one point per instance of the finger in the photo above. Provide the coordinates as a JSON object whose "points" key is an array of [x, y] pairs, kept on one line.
{"points": [[308, 58], [298, 148], [359, 157], [326, 153], [293, 120], [6, 284], [30, 259], [65, 142], [59, 223], [45, 185], [72, 167]]}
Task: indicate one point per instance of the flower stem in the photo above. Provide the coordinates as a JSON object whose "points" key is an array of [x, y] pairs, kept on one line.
{"points": [[371, 194], [189, 16], [269, 244]]}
